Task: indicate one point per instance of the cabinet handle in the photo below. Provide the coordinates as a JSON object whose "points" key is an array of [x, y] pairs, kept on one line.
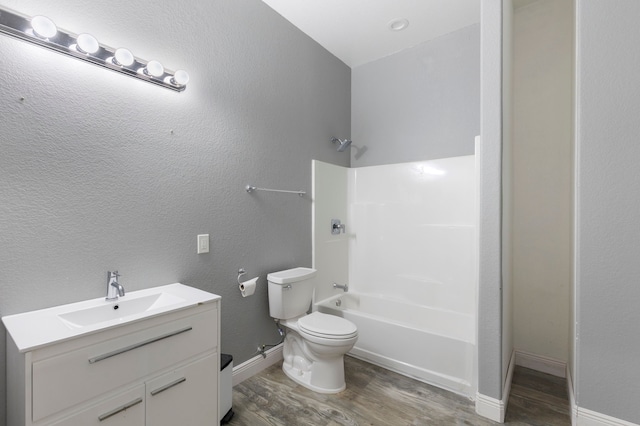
{"points": [[137, 345], [167, 386], [111, 413]]}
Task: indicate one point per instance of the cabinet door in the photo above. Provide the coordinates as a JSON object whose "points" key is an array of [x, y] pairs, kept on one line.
{"points": [[187, 396], [80, 375], [125, 409]]}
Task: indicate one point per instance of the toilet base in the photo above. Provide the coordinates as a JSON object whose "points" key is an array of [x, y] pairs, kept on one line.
{"points": [[319, 373], [304, 379]]}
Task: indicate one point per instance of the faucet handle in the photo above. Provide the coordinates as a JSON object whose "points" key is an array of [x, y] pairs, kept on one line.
{"points": [[113, 275], [337, 226]]}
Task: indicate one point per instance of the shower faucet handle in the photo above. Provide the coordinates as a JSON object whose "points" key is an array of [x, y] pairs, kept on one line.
{"points": [[336, 226]]}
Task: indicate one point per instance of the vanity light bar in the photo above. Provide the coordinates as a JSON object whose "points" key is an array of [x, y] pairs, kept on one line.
{"points": [[42, 31]]}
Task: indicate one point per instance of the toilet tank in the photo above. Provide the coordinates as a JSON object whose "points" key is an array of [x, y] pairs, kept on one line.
{"points": [[290, 292]]}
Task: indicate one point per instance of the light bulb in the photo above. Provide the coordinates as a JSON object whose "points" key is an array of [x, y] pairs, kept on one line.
{"points": [[154, 68], [181, 77], [43, 27], [123, 57], [86, 43]]}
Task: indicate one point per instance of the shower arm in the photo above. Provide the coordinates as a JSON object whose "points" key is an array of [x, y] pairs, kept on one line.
{"points": [[343, 143]]}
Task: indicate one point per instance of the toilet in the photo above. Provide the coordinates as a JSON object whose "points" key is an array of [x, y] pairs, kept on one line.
{"points": [[315, 344]]}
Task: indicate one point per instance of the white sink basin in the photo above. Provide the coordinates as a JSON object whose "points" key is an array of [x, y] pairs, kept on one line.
{"points": [[31, 330], [119, 310]]}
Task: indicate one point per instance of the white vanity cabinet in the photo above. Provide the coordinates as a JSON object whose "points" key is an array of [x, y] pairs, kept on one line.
{"points": [[125, 409], [156, 371], [182, 397]]}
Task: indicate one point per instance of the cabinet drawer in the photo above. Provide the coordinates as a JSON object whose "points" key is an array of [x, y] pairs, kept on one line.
{"points": [[74, 377], [125, 409], [187, 396]]}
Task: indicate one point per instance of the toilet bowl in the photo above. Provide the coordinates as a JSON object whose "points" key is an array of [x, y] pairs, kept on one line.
{"points": [[315, 344], [314, 356]]}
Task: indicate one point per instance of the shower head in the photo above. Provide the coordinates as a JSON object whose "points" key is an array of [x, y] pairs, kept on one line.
{"points": [[344, 143]]}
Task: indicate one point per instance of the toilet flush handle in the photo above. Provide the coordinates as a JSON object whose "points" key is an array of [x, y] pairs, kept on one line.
{"points": [[286, 287]]}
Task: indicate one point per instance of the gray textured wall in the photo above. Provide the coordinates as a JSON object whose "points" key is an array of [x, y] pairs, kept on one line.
{"points": [[419, 104], [608, 197], [92, 179]]}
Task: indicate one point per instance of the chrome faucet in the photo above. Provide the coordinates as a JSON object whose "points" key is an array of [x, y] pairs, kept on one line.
{"points": [[343, 287], [114, 289], [337, 226]]}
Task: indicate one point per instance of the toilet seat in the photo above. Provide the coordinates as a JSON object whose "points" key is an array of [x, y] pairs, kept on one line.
{"points": [[327, 326]]}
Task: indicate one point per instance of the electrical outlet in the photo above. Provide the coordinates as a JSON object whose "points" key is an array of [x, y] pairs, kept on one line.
{"points": [[203, 243]]}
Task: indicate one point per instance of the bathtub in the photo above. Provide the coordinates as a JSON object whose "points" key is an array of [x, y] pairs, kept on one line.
{"points": [[431, 345]]}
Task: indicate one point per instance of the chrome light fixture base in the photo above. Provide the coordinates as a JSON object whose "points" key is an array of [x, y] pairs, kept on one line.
{"points": [[65, 42]]}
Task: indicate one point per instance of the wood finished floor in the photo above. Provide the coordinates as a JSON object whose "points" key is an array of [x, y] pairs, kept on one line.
{"points": [[375, 396]]}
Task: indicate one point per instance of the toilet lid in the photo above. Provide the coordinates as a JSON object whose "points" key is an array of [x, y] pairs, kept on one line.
{"points": [[325, 325]]}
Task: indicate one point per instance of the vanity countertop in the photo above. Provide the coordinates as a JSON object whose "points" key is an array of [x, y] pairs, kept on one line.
{"points": [[32, 330]]}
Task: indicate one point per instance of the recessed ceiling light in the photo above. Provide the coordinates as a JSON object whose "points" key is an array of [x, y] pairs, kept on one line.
{"points": [[398, 24]]}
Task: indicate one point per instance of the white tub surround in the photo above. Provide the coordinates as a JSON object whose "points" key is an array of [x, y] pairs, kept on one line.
{"points": [[412, 232], [330, 252], [431, 345], [411, 254]]}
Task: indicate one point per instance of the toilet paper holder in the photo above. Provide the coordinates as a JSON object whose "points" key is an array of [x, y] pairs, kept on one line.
{"points": [[247, 288], [241, 272]]}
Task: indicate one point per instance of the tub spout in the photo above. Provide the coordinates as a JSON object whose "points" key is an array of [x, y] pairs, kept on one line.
{"points": [[343, 287]]}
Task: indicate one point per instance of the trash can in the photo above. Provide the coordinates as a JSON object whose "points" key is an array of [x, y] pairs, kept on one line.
{"points": [[226, 388]]}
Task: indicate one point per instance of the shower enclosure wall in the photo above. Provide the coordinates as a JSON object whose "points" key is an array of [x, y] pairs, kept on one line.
{"points": [[409, 257]]}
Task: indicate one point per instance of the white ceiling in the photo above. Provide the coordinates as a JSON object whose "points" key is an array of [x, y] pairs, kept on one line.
{"points": [[357, 32]]}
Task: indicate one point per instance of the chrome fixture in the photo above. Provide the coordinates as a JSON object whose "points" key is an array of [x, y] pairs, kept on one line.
{"points": [[114, 289], [43, 31], [343, 143], [262, 349], [241, 272], [336, 227], [342, 287], [338, 303], [251, 188]]}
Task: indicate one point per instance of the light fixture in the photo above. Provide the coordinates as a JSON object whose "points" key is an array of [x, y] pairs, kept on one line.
{"points": [[154, 69], [42, 31], [181, 78], [398, 24], [43, 27], [86, 43], [123, 57]]}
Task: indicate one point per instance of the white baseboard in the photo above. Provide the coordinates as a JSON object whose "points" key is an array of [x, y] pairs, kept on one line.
{"points": [[584, 417], [491, 408], [507, 383], [541, 363], [256, 364], [496, 409], [572, 399]]}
